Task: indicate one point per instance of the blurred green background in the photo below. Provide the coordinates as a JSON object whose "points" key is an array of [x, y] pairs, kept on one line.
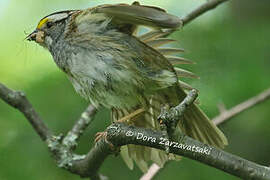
{"points": [[231, 46]]}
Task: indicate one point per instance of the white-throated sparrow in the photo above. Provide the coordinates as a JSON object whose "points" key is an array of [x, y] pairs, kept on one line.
{"points": [[111, 66]]}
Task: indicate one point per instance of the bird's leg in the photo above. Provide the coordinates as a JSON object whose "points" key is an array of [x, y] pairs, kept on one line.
{"points": [[100, 135], [131, 115]]}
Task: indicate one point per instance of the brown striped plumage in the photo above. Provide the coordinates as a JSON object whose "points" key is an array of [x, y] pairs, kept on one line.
{"points": [[111, 66]]}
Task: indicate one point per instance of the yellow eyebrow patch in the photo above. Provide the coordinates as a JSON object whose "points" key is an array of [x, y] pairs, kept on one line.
{"points": [[42, 22]]}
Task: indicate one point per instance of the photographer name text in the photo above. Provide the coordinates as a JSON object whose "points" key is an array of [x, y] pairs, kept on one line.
{"points": [[168, 143]]}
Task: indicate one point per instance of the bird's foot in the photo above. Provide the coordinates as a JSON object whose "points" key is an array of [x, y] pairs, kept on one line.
{"points": [[100, 135], [103, 135]]}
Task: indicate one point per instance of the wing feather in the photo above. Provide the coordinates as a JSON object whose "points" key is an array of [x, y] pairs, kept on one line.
{"points": [[140, 15]]}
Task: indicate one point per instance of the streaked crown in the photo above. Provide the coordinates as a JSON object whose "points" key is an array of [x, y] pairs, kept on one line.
{"points": [[55, 17]]}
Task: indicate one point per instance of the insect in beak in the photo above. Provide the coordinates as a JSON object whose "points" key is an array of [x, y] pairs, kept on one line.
{"points": [[36, 35]]}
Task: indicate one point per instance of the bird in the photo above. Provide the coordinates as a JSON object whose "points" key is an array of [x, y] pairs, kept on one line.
{"points": [[112, 65]]}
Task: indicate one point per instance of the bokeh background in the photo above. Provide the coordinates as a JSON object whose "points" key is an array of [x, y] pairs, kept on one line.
{"points": [[231, 46]]}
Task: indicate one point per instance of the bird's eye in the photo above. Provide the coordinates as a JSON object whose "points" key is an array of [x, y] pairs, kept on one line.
{"points": [[49, 24]]}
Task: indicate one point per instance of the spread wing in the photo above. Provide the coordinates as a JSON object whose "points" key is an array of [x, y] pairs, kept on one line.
{"points": [[93, 22], [128, 17], [137, 14]]}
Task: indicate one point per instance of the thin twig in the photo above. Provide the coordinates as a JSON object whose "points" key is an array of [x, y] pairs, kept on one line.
{"points": [[79, 127], [209, 5], [153, 170], [170, 118], [174, 114], [228, 114]]}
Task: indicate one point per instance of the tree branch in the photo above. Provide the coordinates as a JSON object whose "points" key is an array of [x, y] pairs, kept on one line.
{"points": [[209, 5], [60, 147], [19, 101], [228, 114], [120, 134], [79, 127], [152, 171], [172, 116]]}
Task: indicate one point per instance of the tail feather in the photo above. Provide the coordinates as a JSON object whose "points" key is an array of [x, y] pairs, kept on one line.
{"points": [[197, 125], [154, 34], [126, 157], [136, 153], [159, 42]]}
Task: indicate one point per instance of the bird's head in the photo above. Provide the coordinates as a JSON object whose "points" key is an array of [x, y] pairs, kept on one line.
{"points": [[50, 28]]}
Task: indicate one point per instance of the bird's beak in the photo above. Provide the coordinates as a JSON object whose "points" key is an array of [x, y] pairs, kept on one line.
{"points": [[37, 36], [32, 36]]}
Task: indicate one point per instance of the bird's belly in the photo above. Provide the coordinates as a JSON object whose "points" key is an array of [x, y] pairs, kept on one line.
{"points": [[119, 95], [111, 89]]}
